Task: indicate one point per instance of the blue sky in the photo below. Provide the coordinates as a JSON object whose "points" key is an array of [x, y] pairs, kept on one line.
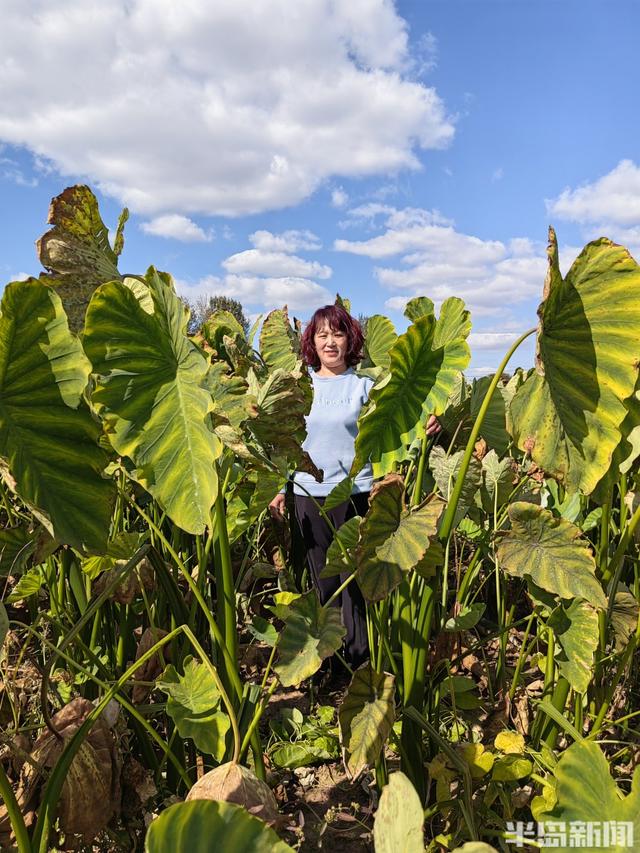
{"points": [[280, 152]]}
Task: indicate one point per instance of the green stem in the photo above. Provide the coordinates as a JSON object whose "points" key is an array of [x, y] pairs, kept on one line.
{"points": [[15, 815], [225, 587], [447, 522]]}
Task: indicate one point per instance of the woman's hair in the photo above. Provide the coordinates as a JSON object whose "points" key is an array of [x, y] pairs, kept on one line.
{"points": [[338, 320]]}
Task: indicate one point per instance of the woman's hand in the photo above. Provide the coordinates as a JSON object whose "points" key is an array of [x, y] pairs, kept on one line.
{"points": [[276, 507], [433, 426]]}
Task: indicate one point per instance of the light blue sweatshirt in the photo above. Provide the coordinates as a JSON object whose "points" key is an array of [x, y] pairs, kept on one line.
{"points": [[331, 432]]}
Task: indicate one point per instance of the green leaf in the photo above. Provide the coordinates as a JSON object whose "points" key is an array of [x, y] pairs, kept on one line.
{"points": [[279, 344], [302, 753], [22, 544], [549, 551], [468, 618], [366, 717], [282, 402], [347, 535], [311, 634], [380, 338], [219, 324], [445, 472], [194, 705], [419, 306], [28, 585], [150, 397], [263, 631], [424, 366], [576, 630], [510, 742], [392, 539], [76, 250], [47, 436], [510, 768], [498, 480], [343, 302], [249, 498], [4, 624], [338, 494], [282, 604], [475, 847], [568, 414], [479, 760], [398, 824], [624, 616], [122, 547], [494, 425], [192, 826], [586, 793]]}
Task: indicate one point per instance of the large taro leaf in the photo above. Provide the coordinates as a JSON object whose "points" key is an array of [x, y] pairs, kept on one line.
{"points": [[380, 338], [149, 394], [194, 825], [282, 402], [279, 344], [398, 825], [568, 414], [497, 480], [626, 452], [76, 251], [576, 630], [393, 540], [366, 717], [195, 706], [424, 366], [445, 472], [419, 306], [48, 439], [550, 551], [311, 634], [588, 796]]}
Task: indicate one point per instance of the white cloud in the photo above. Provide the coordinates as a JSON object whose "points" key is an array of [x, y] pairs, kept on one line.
{"points": [[339, 198], [287, 241], [498, 174], [439, 261], [222, 108], [477, 372], [613, 198], [259, 262], [492, 340], [300, 294], [177, 227]]}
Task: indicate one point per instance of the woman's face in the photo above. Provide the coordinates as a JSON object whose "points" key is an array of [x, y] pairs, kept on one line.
{"points": [[331, 346]]}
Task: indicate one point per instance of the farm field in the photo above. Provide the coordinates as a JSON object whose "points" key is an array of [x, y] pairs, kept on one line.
{"points": [[164, 661]]}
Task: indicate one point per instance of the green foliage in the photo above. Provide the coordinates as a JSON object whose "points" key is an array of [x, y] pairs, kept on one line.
{"points": [[304, 740], [399, 819], [568, 414], [149, 393], [424, 365], [550, 552], [586, 792], [195, 706], [192, 826], [366, 717], [49, 454], [76, 250], [311, 634]]}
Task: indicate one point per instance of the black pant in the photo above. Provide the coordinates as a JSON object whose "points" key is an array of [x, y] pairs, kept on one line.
{"points": [[317, 537]]}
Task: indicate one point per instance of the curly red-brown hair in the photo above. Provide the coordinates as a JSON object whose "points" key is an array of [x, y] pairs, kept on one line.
{"points": [[338, 320]]}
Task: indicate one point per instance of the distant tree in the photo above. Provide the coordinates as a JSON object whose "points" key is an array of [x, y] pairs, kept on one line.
{"points": [[363, 320], [204, 306]]}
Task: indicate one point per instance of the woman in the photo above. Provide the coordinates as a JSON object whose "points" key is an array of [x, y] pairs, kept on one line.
{"points": [[331, 345]]}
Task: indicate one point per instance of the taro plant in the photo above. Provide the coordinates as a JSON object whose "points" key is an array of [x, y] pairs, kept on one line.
{"points": [[499, 563]]}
